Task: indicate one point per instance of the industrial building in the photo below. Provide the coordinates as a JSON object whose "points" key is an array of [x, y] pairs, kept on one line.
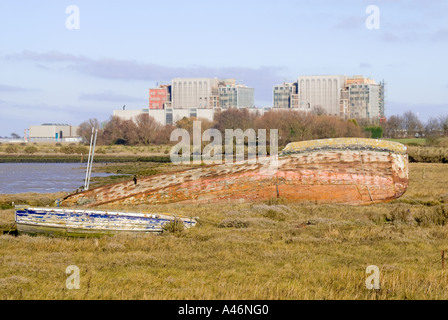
{"points": [[194, 97], [53, 132], [237, 96], [336, 95], [321, 92], [366, 98], [194, 93], [284, 94], [159, 97]]}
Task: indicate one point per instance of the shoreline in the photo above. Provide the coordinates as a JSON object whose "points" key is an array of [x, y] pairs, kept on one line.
{"points": [[54, 158], [416, 154]]}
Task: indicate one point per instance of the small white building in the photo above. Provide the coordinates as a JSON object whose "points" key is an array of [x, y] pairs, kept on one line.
{"points": [[54, 132], [128, 114], [171, 115]]}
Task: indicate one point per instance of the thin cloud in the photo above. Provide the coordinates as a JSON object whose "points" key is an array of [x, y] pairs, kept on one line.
{"points": [[351, 23], [390, 37], [260, 78], [109, 96], [365, 65], [41, 66], [132, 70], [440, 35], [7, 88], [51, 56], [44, 113], [36, 113]]}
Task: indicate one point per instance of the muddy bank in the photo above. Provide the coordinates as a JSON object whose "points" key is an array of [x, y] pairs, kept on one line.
{"points": [[55, 158]]}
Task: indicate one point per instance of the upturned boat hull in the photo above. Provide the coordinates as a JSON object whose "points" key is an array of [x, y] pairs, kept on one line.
{"points": [[344, 170]]}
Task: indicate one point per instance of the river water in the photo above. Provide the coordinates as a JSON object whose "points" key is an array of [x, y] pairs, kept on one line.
{"points": [[42, 177]]}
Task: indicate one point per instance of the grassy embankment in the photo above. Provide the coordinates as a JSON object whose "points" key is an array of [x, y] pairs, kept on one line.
{"points": [[267, 250], [142, 160], [76, 153], [426, 150], [411, 141]]}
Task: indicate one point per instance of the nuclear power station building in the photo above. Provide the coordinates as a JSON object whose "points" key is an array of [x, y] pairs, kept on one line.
{"points": [[354, 97], [336, 95]]}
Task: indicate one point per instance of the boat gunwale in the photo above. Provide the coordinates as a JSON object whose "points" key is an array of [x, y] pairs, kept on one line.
{"points": [[355, 144], [67, 228], [163, 216]]}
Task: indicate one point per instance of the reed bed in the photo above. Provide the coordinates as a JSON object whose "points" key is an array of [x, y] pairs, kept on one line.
{"points": [[271, 250]]}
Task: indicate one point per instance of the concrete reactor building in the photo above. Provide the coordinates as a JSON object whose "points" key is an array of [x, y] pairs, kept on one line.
{"points": [[336, 95]]}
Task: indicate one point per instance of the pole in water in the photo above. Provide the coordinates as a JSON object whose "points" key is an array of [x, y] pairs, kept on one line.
{"points": [[91, 160], [88, 161]]}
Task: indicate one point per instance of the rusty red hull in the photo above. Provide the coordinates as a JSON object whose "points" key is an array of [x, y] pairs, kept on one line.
{"points": [[351, 171]]}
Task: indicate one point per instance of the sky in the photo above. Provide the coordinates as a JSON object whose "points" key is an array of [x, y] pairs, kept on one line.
{"points": [[59, 65]]}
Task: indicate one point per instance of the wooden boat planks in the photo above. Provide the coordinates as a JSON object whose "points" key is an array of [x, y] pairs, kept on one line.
{"points": [[343, 170], [68, 222]]}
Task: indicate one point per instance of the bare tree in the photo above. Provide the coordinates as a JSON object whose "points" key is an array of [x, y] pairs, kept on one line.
{"points": [[393, 127], [318, 110], [147, 128], [433, 128], [163, 135], [443, 122], [299, 126], [412, 125], [119, 131], [85, 129], [234, 119]]}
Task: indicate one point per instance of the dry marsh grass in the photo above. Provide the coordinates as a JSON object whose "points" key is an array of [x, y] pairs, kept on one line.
{"points": [[78, 148], [269, 250], [435, 154]]}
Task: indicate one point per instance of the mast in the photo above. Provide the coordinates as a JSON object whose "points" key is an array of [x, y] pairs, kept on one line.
{"points": [[91, 160], [88, 161]]}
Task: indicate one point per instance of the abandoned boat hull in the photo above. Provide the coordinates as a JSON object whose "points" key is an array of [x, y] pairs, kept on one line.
{"points": [[345, 170], [67, 222]]}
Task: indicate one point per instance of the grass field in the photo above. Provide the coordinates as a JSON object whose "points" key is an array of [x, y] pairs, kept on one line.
{"points": [[68, 148], [269, 250], [411, 141], [418, 149]]}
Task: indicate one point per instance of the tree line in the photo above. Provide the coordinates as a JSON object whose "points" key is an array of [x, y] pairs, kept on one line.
{"points": [[292, 126], [409, 125]]}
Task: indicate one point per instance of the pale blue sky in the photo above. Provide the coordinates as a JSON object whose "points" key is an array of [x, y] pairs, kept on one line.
{"points": [[51, 74]]}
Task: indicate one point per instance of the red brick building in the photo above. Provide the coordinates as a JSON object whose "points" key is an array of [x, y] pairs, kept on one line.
{"points": [[158, 97]]}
